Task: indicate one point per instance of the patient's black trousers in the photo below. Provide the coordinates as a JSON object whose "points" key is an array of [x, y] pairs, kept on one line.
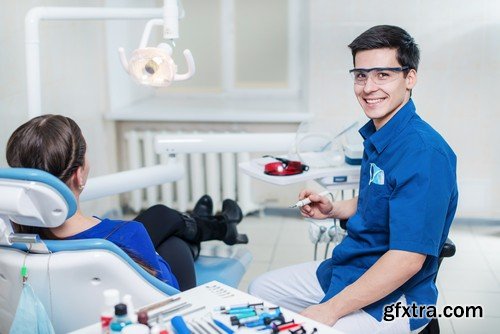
{"points": [[162, 225]]}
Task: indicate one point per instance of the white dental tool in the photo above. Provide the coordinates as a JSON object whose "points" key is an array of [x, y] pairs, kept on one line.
{"points": [[306, 201]]}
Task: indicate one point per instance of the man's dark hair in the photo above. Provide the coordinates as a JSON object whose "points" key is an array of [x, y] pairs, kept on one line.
{"points": [[392, 37]]}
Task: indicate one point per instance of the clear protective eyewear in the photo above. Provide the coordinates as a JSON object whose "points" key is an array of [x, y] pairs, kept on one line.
{"points": [[379, 75]]}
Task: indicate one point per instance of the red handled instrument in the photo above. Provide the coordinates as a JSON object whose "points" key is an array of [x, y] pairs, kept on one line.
{"points": [[284, 167]]}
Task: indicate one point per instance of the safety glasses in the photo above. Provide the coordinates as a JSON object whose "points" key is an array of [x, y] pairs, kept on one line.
{"points": [[379, 75]]}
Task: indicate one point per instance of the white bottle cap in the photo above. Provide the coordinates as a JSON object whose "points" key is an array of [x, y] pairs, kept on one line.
{"points": [[111, 297], [127, 300]]}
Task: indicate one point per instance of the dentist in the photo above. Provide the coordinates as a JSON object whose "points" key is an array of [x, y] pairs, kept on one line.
{"points": [[399, 223]]}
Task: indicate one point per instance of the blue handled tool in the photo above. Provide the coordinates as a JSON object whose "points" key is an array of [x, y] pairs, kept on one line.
{"points": [[223, 327], [179, 325], [265, 320], [240, 311], [234, 307]]}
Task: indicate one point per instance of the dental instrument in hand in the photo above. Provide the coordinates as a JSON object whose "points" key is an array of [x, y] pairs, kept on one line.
{"points": [[307, 201]]}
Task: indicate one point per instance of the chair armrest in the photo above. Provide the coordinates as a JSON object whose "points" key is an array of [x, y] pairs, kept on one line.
{"points": [[343, 223]]}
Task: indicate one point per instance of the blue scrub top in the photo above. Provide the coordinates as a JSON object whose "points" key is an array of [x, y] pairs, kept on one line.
{"points": [[132, 237], [407, 200]]}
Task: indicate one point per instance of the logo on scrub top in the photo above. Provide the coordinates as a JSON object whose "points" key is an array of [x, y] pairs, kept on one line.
{"points": [[377, 175]]}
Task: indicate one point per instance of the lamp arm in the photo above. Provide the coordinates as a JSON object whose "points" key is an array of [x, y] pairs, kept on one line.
{"points": [[191, 67], [171, 19], [144, 41], [147, 31], [123, 59]]}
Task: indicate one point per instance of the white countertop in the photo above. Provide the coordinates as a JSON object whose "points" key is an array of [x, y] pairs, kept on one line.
{"points": [[325, 176], [212, 295]]}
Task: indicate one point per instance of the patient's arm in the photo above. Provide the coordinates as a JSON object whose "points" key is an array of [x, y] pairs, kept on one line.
{"points": [[391, 271]]}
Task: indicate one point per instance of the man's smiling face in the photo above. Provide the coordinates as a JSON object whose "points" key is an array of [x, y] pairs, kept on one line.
{"points": [[381, 102]]}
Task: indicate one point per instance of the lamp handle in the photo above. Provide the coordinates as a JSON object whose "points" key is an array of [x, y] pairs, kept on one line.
{"points": [[191, 67], [123, 59]]}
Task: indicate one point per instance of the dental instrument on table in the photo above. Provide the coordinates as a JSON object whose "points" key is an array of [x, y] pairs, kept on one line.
{"points": [[158, 304], [169, 311], [222, 326], [196, 327], [234, 307], [215, 328], [307, 201], [184, 313]]}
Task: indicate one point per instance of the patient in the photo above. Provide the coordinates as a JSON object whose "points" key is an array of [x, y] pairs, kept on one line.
{"points": [[163, 241]]}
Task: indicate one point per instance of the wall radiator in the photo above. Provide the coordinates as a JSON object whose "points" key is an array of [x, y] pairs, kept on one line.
{"points": [[215, 174]]}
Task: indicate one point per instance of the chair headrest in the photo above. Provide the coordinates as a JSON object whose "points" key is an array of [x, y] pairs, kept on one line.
{"points": [[34, 197]]}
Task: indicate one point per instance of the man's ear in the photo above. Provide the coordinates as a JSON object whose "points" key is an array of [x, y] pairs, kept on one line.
{"points": [[411, 79]]}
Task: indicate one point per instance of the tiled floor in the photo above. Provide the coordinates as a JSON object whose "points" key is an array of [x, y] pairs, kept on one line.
{"points": [[471, 277]]}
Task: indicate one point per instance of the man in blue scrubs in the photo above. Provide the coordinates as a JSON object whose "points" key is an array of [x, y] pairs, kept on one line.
{"points": [[400, 221]]}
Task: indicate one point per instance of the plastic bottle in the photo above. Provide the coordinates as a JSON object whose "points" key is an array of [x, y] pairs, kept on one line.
{"points": [[111, 298], [120, 319]]}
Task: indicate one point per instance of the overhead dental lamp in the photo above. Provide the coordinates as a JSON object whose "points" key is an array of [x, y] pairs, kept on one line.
{"points": [[154, 66]]}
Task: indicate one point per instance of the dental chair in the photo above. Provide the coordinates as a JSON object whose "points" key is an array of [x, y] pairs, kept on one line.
{"points": [[448, 250], [69, 276]]}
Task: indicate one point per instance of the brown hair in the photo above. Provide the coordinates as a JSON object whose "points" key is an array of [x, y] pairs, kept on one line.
{"points": [[55, 144], [52, 143]]}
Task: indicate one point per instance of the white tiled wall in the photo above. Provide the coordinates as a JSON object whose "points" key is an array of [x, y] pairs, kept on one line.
{"points": [[73, 72]]}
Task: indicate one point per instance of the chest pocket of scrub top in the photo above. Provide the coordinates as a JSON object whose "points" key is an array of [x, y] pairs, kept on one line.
{"points": [[377, 175], [377, 198]]}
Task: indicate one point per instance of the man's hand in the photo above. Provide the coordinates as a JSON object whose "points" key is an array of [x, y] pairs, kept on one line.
{"points": [[320, 313], [391, 271], [320, 207]]}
